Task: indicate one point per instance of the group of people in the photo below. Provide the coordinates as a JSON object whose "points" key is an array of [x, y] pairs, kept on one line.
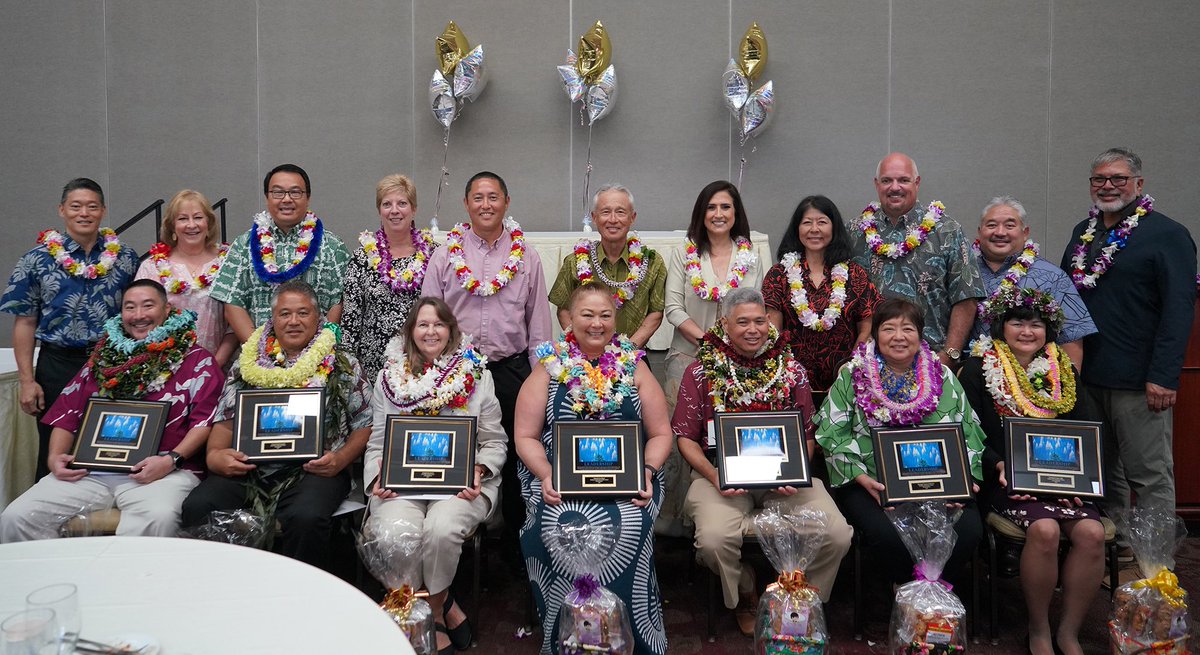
{"points": [[856, 326]]}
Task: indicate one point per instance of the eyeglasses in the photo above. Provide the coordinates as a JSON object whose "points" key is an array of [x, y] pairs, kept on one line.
{"points": [[1118, 181], [294, 194]]}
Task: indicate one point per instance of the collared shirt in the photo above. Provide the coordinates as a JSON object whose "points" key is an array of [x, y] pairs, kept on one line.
{"points": [[1046, 277], [192, 393], [70, 310], [238, 284], [936, 275], [648, 298], [515, 319]]}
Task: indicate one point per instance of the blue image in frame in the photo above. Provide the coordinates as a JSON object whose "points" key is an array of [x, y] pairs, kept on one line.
{"points": [[428, 448], [921, 458], [1054, 453], [120, 429], [598, 453]]}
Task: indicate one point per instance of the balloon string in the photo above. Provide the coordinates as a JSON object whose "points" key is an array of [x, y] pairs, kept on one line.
{"points": [[742, 166], [443, 181], [587, 184]]}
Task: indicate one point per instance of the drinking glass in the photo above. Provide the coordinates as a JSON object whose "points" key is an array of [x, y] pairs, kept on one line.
{"points": [[31, 632], [63, 598]]}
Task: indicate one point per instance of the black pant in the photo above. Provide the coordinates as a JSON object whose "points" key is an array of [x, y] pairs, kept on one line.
{"points": [[304, 513], [509, 374], [882, 545], [55, 368]]}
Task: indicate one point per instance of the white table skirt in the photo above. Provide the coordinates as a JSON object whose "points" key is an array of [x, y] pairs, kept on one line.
{"points": [[199, 597], [18, 434], [552, 247]]}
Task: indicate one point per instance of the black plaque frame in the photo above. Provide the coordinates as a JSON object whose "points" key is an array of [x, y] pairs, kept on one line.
{"points": [[787, 467], [578, 475], [116, 435], [1029, 473], [946, 477], [300, 442], [406, 469]]}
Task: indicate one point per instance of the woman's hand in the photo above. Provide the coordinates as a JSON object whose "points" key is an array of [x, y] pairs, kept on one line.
{"points": [[381, 493], [869, 483], [1070, 503], [643, 498], [550, 495], [473, 492], [1000, 473], [790, 490]]}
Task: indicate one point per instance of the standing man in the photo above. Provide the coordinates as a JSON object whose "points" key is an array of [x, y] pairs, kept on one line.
{"points": [[1136, 271], [635, 274], [61, 293], [497, 291], [1008, 257], [287, 242], [919, 254]]}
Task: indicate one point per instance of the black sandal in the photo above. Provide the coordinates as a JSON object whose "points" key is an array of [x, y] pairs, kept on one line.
{"points": [[448, 650], [461, 635]]}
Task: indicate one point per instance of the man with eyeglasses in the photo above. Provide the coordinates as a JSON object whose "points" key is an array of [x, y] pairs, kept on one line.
{"points": [[918, 253], [286, 242], [1136, 271], [619, 262]]}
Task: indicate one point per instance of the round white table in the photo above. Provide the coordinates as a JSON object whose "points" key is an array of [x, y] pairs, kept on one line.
{"points": [[199, 597]]}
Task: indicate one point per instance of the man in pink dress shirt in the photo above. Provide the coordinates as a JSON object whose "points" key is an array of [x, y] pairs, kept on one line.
{"points": [[506, 318]]}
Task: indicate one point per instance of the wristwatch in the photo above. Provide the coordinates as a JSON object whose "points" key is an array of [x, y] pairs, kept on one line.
{"points": [[175, 457], [954, 353]]}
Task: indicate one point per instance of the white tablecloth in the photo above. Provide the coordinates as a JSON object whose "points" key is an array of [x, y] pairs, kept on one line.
{"points": [[18, 434], [199, 597], [552, 247]]}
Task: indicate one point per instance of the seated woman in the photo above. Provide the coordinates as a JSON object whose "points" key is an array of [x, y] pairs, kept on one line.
{"points": [[431, 369], [617, 386], [892, 381], [1020, 371], [745, 365]]}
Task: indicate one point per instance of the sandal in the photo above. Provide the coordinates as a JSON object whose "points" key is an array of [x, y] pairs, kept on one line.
{"points": [[461, 635], [448, 650]]}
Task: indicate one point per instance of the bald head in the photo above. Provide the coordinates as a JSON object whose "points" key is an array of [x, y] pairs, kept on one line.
{"points": [[897, 184]]}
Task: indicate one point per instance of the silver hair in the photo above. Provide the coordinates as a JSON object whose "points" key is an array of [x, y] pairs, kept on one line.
{"points": [[295, 286], [1119, 154], [612, 186], [740, 296], [879, 166], [1005, 201]]}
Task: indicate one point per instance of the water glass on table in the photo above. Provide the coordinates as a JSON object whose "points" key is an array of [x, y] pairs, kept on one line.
{"points": [[63, 598], [30, 632]]}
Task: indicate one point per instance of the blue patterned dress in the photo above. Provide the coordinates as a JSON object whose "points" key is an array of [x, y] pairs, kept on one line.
{"points": [[629, 570]]}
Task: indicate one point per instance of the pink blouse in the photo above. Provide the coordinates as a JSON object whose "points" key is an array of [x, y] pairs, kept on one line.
{"points": [[210, 314]]}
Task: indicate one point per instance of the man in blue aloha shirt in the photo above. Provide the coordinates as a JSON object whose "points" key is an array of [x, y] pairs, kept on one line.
{"points": [[61, 293]]}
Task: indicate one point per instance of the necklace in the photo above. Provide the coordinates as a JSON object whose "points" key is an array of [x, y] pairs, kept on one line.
{"points": [[447, 383], [266, 366], [912, 240], [454, 251], [410, 277], [597, 390], [906, 405], [1118, 238], [160, 253], [587, 268], [262, 248], [743, 259], [760, 383], [124, 367], [799, 296], [53, 240], [1044, 389], [1012, 277]]}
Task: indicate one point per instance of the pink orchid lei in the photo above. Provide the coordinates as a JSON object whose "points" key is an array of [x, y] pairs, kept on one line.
{"points": [[912, 240], [1013, 277], [408, 278], [516, 256], [1117, 240], [874, 402], [53, 240], [743, 259]]}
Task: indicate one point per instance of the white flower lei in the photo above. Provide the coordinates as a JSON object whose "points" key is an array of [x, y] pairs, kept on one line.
{"points": [[799, 297], [451, 375]]}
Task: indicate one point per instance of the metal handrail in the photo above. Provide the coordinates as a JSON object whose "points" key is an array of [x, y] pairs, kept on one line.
{"points": [[155, 207], [219, 207]]}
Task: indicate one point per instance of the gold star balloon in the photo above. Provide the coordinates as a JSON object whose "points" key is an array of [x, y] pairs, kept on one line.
{"points": [[595, 53], [451, 47], [752, 52]]}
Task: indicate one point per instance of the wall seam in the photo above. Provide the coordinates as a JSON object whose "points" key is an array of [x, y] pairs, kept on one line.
{"points": [[570, 135], [729, 124], [413, 88], [107, 136], [258, 88], [1049, 117], [889, 80]]}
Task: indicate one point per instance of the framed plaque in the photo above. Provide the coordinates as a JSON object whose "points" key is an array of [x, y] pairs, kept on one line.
{"points": [[116, 435], [598, 459], [1053, 457], [280, 425], [761, 449], [428, 454], [927, 462]]}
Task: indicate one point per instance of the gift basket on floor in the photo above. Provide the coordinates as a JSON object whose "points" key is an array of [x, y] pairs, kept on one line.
{"points": [[791, 617], [927, 618], [1151, 615], [391, 551], [592, 619]]}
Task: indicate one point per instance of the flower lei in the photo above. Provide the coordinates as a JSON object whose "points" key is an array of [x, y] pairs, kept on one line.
{"points": [[912, 240], [53, 240], [1044, 389], [159, 254], [587, 268], [1117, 240], [760, 383], [131, 368], [743, 259], [262, 248], [1012, 278], [410, 277], [454, 251], [799, 297], [445, 384], [265, 365], [595, 390], [876, 404]]}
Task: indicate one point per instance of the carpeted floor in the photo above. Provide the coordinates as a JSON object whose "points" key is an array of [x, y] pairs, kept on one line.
{"points": [[685, 588]]}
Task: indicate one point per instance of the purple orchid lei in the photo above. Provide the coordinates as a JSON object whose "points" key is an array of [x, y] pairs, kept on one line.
{"points": [[413, 275], [874, 401]]}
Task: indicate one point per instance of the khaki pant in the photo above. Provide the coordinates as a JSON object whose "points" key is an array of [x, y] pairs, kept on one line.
{"points": [[445, 525], [1137, 450], [721, 521]]}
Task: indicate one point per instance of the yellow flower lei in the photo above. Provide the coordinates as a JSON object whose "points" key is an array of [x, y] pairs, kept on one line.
{"points": [[1036, 403], [311, 363]]}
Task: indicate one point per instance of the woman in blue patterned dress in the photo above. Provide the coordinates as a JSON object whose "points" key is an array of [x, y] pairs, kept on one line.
{"points": [[614, 385]]}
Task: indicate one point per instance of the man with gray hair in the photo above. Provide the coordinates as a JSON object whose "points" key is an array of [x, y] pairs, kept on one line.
{"points": [[745, 365], [1008, 257], [1136, 271], [634, 273]]}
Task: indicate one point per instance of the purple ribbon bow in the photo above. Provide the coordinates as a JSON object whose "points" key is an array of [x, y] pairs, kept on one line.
{"points": [[587, 586], [919, 574]]}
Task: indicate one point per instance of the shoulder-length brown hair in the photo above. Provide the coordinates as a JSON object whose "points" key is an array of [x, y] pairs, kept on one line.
{"points": [[415, 358]]}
